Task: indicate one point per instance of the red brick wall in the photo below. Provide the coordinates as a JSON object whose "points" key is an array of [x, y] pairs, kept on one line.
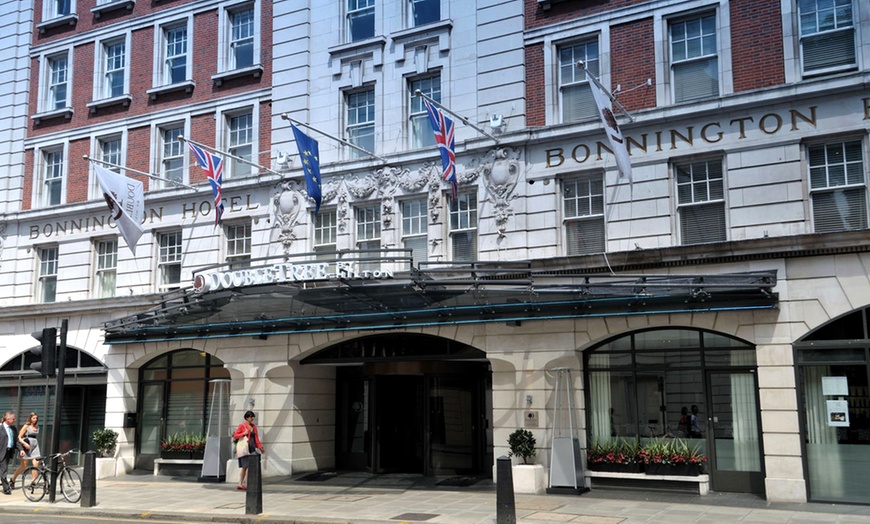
{"points": [[756, 44], [536, 16], [536, 106], [204, 62], [632, 62]]}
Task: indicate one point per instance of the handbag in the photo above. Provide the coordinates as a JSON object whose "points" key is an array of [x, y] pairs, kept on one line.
{"points": [[242, 449]]}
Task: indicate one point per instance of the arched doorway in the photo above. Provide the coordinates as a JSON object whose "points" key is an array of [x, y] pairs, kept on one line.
{"points": [[411, 403], [23, 391], [174, 396], [638, 385], [834, 382]]}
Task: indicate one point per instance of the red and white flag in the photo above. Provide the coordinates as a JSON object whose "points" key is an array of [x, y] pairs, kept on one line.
{"points": [[126, 200], [614, 135]]}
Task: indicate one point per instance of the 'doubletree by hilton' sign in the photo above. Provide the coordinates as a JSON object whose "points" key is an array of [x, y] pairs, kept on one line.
{"points": [[280, 273]]}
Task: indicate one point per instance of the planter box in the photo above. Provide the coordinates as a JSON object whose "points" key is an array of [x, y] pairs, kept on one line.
{"points": [[106, 467], [616, 468], [684, 470], [529, 478]]}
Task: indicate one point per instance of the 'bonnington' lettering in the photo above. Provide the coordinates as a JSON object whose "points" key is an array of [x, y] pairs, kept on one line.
{"points": [[279, 273]]}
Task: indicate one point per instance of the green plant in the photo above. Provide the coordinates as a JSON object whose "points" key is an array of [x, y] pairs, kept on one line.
{"points": [[522, 444], [187, 442], [619, 451], [105, 440], [672, 452]]}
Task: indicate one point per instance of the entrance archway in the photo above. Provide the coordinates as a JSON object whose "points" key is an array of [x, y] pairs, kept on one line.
{"points": [[833, 364], [411, 403]]}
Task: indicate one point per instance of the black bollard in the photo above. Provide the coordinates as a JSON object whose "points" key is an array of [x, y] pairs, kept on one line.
{"points": [[254, 496], [89, 481], [506, 510]]}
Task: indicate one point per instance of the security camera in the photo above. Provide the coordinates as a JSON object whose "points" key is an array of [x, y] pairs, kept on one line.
{"points": [[531, 182]]}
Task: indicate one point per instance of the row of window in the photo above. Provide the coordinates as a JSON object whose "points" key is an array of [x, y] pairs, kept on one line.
{"points": [[837, 193], [827, 39], [837, 196], [173, 65], [238, 136]]}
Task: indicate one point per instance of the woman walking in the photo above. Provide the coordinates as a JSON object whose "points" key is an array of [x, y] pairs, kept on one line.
{"points": [[27, 436], [247, 429]]}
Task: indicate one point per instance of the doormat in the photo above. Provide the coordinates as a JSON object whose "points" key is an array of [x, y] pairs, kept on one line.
{"points": [[458, 481], [320, 476]]}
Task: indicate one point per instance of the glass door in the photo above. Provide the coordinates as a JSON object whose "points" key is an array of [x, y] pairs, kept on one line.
{"points": [[151, 431], [733, 436]]}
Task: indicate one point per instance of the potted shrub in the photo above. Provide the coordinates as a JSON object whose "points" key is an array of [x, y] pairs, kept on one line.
{"points": [[672, 457], [620, 455], [183, 446], [105, 440], [528, 478]]}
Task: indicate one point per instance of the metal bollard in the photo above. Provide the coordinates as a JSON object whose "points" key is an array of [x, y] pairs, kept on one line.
{"points": [[89, 481], [506, 511], [254, 495]]}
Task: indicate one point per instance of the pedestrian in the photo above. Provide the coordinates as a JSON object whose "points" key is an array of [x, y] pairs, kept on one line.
{"points": [[27, 436], [694, 424], [247, 430], [9, 446]]}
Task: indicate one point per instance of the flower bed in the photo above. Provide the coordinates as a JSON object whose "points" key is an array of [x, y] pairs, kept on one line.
{"points": [[658, 457], [183, 446]]}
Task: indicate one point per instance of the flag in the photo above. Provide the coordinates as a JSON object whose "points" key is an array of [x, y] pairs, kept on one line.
{"points": [[310, 156], [214, 171], [126, 200], [443, 129], [614, 135]]}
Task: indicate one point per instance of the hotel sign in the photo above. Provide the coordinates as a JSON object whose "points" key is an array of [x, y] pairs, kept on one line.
{"points": [[284, 273]]}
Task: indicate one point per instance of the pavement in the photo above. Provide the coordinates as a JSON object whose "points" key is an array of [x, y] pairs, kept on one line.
{"points": [[361, 498]]}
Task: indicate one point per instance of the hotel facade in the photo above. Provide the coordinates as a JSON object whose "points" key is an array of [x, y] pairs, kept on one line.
{"points": [[402, 329]]}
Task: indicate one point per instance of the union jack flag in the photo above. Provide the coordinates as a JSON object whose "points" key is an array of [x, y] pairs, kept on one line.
{"points": [[214, 172], [443, 129]]}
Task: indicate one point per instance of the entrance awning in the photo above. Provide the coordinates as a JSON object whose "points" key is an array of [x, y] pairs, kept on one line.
{"points": [[430, 294]]}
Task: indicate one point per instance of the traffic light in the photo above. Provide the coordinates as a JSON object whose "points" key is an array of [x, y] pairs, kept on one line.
{"points": [[46, 351]]}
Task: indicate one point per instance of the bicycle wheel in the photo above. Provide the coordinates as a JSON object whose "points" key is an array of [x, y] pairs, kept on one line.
{"points": [[34, 489], [70, 485]]}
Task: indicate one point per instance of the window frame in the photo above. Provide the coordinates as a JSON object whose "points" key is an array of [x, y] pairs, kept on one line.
{"points": [[47, 259], [168, 256], [412, 12], [50, 11], [592, 65], [105, 262], [456, 227], [48, 98], [699, 200], [159, 158], [231, 166], [576, 219], [41, 198], [801, 38], [320, 230], [162, 55], [719, 48], [238, 248], [420, 129], [415, 226], [226, 57], [846, 186], [352, 126], [102, 69], [355, 12]]}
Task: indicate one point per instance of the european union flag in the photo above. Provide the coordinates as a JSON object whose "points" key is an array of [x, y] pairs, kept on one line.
{"points": [[310, 157]]}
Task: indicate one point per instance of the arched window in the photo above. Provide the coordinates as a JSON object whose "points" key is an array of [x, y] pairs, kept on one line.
{"points": [[174, 396]]}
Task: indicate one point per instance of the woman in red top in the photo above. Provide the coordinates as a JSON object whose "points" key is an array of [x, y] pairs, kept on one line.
{"points": [[247, 429]]}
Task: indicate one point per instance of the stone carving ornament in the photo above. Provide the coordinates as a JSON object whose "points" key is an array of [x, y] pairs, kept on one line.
{"points": [[500, 170]]}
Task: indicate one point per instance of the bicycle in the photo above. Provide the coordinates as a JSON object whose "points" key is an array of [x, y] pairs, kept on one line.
{"points": [[36, 480]]}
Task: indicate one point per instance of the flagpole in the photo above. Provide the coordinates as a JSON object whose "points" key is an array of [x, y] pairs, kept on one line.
{"points": [[229, 155], [460, 117], [582, 65], [339, 140], [143, 173]]}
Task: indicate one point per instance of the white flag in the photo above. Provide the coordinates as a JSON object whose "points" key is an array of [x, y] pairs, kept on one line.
{"points": [[126, 200], [614, 135]]}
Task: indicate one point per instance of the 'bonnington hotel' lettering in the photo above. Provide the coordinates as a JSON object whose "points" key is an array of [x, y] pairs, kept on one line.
{"points": [[710, 133]]}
